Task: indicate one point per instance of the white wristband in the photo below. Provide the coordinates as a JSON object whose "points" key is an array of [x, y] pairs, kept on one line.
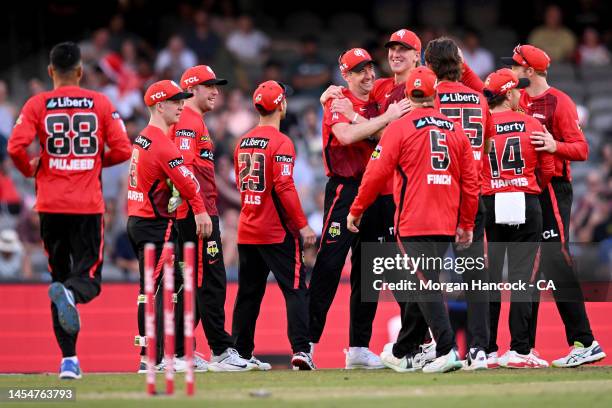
{"points": [[355, 118]]}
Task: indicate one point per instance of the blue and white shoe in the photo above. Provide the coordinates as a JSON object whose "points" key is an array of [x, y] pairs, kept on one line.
{"points": [[70, 370], [68, 315], [579, 355], [444, 364]]}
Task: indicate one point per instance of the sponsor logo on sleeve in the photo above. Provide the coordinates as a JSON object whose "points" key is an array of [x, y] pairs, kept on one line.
{"points": [[69, 102], [185, 172], [376, 153], [143, 142], [207, 154], [432, 121], [175, 162], [510, 127], [185, 144], [286, 170], [254, 143]]}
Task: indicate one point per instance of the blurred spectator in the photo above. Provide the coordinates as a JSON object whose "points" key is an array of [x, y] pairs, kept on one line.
{"points": [[310, 129], [311, 74], [7, 111], [28, 229], [92, 50], [36, 86], [174, 59], [201, 39], [592, 216], [124, 258], [592, 51], [247, 44], [117, 33], [239, 115], [11, 255], [558, 41], [121, 85], [478, 58]]}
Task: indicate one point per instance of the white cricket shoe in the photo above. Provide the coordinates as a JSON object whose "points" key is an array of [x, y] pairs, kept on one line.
{"points": [[579, 355], [400, 365], [259, 365], [362, 357], [199, 364], [229, 360], [492, 360], [476, 360], [444, 364], [302, 361], [512, 359], [426, 355]]}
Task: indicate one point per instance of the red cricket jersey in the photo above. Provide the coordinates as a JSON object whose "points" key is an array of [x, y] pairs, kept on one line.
{"points": [[155, 158], [470, 110], [555, 110], [340, 160], [435, 178], [511, 164], [263, 162], [193, 140], [73, 126]]}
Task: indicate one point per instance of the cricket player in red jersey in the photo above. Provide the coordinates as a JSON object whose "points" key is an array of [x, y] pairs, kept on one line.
{"points": [[565, 140], [195, 143], [346, 148], [155, 160], [432, 161], [272, 229], [510, 192], [74, 127], [469, 109]]}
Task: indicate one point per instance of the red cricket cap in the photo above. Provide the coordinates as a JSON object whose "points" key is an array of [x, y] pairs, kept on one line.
{"points": [[200, 74], [269, 95], [421, 79], [163, 91], [501, 81], [528, 56], [406, 38], [354, 60]]}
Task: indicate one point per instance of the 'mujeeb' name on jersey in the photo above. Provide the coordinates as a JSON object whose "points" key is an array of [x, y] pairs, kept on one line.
{"points": [[517, 182], [71, 164]]}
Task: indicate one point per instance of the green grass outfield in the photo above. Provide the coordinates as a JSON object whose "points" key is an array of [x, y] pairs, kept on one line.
{"points": [[580, 387]]}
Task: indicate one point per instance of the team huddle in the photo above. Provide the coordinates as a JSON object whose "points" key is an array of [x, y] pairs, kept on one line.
{"points": [[428, 159]]}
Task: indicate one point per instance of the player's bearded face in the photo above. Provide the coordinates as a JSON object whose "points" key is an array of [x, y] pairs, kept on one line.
{"points": [[206, 96], [401, 59]]}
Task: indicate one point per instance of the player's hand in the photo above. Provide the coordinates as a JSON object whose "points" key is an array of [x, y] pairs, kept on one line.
{"points": [[203, 225], [343, 106], [34, 165], [352, 223], [308, 236], [332, 91], [398, 109], [544, 141], [463, 238], [175, 201]]}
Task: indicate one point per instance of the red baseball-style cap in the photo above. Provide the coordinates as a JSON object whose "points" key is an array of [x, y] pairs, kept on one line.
{"points": [[354, 60], [421, 79], [165, 90], [200, 74], [406, 38], [528, 56], [501, 81], [269, 95]]}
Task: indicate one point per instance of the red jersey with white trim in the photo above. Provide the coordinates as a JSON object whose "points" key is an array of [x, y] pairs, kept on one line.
{"points": [[193, 140], [435, 178], [512, 161], [555, 110], [73, 126], [340, 160], [155, 159], [263, 162]]}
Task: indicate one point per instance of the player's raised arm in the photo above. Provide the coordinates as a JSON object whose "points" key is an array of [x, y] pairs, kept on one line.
{"points": [[22, 136]]}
